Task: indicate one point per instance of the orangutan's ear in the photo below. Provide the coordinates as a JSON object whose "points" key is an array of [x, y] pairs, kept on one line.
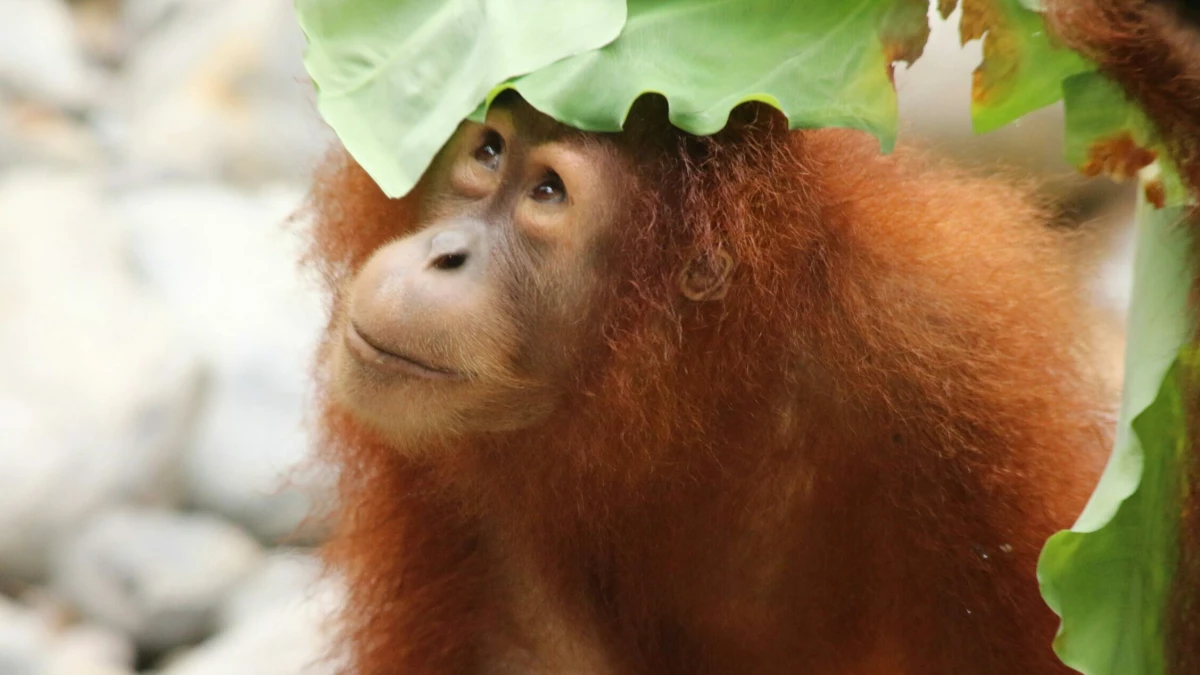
{"points": [[706, 277]]}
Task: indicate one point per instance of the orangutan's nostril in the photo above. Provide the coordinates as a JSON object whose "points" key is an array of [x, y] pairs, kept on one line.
{"points": [[449, 261], [448, 250]]}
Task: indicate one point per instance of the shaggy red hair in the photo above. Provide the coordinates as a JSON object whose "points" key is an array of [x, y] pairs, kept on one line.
{"points": [[894, 393]]}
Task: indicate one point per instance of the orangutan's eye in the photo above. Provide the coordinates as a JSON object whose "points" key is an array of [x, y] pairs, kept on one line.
{"points": [[550, 190], [488, 153]]}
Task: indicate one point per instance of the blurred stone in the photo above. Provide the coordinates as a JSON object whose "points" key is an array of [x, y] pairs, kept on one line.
{"points": [[293, 638], [228, 269], [216, 89], [158, 576], [36, 133], [98, 30], [32, 644], [90, 644], [141, 18], [39, 57], [285, 581], [97, 391]]}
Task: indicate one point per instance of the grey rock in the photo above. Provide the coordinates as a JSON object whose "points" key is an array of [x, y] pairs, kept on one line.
{"points": [[33, 643], [156, 575], [40, 59], [37, 133], [97, 391], [224, 263], [288, 579], [99, 30], [295, 638], [216, 89]]}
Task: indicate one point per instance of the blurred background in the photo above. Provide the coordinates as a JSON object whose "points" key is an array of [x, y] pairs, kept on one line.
{"points": [[157, 506]]}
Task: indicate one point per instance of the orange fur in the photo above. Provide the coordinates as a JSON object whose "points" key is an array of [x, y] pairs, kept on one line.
{"points": [[846, 466]]}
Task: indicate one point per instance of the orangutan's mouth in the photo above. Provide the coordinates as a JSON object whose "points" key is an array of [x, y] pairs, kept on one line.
{"points": [[370, 354]]}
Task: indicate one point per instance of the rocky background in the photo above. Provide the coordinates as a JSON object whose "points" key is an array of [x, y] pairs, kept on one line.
{"points": [[155, 336], [157, 506]]}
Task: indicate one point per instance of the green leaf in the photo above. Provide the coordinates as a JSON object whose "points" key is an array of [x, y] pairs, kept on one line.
{"points": [[396, 77], [1109, 575], [821, 63], [1022, 69], [1108, 134], [1096, 108]]}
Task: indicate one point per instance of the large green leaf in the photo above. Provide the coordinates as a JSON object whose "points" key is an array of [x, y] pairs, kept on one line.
{"points": [[1108, 134], [822, 63], [396, 77], [1097, 109], [1022, 68], [1108, 576]]}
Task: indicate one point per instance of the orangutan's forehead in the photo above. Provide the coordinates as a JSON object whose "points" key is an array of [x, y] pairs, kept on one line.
{"points": [[534, 127]]}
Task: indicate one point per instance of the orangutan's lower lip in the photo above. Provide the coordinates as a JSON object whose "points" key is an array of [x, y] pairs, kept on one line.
{"points": [[371, 354]]}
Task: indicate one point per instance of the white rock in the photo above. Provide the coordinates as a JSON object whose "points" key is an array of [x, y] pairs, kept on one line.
{"points": [[99, 29], [36, 133], [287, 580], [156, 575], [288, 639], [33, 644], [217, 89], [90, 644], [140, 18], [97, 391], [39, 57], [224, 263]]}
